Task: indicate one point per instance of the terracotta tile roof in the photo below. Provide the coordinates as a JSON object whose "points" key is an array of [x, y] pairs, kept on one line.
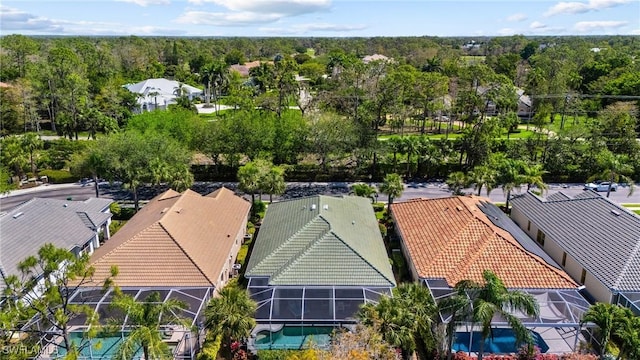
{"points": [[452, 239], [175, 240]]}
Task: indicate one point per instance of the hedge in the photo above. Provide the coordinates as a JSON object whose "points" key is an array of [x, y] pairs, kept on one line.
{"points": [[59, 176]]}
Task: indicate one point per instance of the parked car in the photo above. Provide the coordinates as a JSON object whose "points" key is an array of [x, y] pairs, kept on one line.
{"points": [[601, 186]]}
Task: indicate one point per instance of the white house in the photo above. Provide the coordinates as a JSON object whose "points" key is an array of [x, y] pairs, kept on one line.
{"points": [[160, 93]]}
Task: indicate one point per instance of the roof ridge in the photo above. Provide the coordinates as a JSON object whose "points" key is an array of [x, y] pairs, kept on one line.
{"points": [[294, 258], [288, 240], [361, 257], [186, 253], [627, 264]]}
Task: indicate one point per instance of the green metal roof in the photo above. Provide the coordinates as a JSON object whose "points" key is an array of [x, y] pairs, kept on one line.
{"points": [[321, 240]]}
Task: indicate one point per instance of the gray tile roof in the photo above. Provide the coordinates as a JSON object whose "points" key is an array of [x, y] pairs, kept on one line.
{"points": [[65, 224], [321, 240], [602, 236]]}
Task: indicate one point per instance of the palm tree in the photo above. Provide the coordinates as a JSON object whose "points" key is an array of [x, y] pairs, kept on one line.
{"points": [[493, 298], [417, 298], [145, 318], [626, 334], [533, 176], [457, 181], [615, 167], [249, 176], [230, 315], [395, 144], [410, 146], [392, 186], [512, 176], [604, 316], [273, 182], [483, 175], [32, 142], [459, 308], [363, 190], [403, 319]]}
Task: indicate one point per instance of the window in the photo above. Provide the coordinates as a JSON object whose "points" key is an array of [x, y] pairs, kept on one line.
{"points": [[540, 237], [529, 226], [583, 277], [564, 259]]}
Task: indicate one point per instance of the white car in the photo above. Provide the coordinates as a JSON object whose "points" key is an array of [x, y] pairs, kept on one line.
{"points": [[601, 186]]}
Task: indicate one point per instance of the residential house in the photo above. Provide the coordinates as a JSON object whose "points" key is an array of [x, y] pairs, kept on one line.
{"points": [[448, 240], [243, 69], [177, 240], [74, 225], [376, 57], [525, 104], [314, 262], [160, 93], [182, 246], [596, 241]]}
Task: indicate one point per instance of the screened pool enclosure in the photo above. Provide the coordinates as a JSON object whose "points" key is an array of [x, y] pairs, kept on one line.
{"points": [[310, 304], [183, 340]]}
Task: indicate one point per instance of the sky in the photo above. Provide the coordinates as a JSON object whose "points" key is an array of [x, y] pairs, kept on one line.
{"points": [[319, 18]]}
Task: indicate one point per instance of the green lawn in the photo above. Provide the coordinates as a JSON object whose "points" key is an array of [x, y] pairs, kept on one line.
{"points": [[569, 122]]}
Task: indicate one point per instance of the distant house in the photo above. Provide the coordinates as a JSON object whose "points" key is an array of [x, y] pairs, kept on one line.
{"points": [[178, 240], [160, 93], [73, 225], [525, 104], [448, 240], [243, 69], [314, 262], [376, 57], [595, 240]]}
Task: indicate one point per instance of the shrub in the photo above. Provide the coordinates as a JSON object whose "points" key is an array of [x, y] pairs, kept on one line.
{"points": [[210, 348], [59, 176], [378, 207], [115, 209], [275, 354], [383, 230]]}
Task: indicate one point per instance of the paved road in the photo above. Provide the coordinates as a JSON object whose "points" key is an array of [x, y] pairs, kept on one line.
{"points": [[412, 191]]}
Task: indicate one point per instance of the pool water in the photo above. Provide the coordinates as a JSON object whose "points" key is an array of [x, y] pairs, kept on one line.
{"points": [[108, 345], [294, 337], [503, 342]]}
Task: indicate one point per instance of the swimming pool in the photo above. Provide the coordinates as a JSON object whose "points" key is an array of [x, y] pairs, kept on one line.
{"points": [[503, 342], [108, 345], [294, 337]]}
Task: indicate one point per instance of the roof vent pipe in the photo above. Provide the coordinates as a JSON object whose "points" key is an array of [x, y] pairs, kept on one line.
{"points": [[313, 206], [326, 207]]}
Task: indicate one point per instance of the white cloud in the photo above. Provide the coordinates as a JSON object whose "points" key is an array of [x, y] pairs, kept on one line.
{"points": [[588, 26], [300, 29], [147, 2], [635, 32], [15, 19], [537, 25], [517, 17], [283, 7], [251, 12], [575, 7], [507, 32], [225, 19]]}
